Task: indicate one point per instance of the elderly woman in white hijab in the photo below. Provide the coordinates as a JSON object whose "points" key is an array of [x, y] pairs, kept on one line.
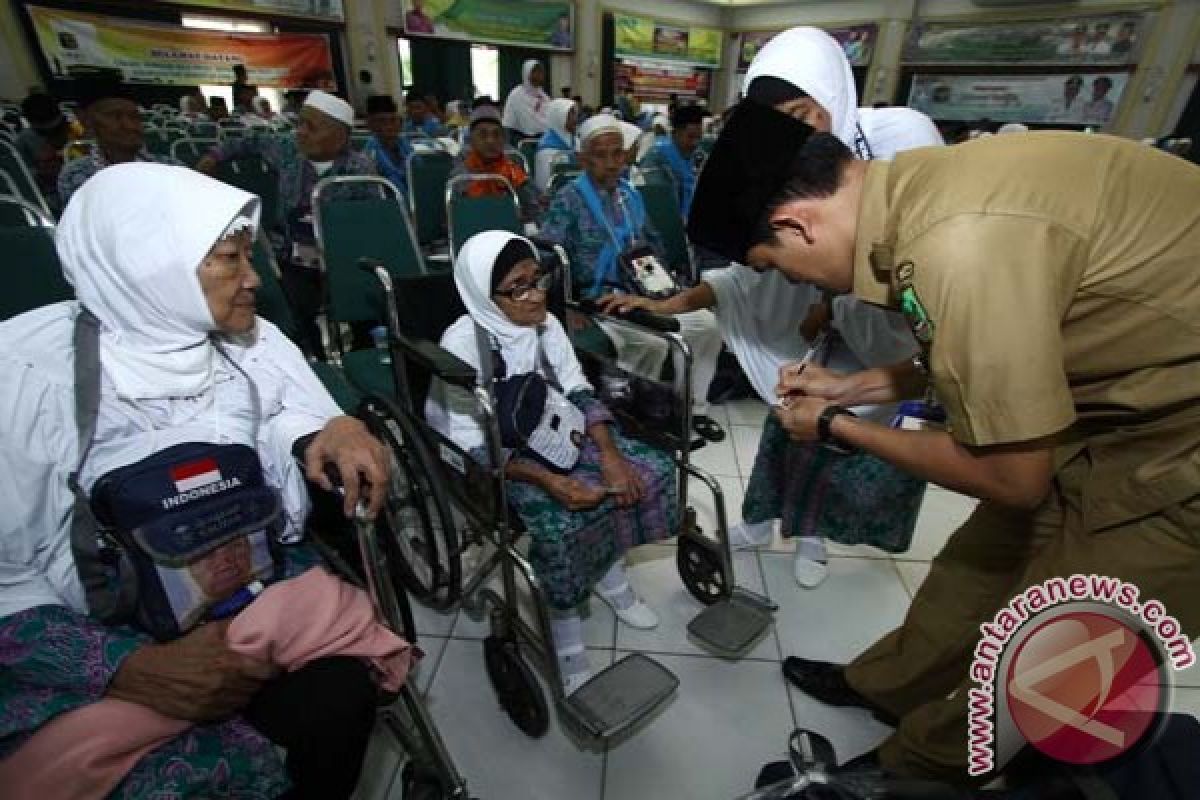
{"points": [[618, 495], [557, 145], [769, 323], [527, 104], [160, 256]]}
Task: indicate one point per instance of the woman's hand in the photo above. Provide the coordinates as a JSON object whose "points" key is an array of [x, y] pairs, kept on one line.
{"points": [[620, 475], [575, 495], [798, 416], [196, 677], [361, 459], [813, 381]]}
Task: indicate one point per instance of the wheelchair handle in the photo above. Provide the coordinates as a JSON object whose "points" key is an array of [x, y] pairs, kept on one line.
{"points": [[637, 316]]}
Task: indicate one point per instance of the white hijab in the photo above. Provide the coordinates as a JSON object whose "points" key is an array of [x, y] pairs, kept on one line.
{"points": [[556, 118], [525, 109], [813, 61], [130, 242]]}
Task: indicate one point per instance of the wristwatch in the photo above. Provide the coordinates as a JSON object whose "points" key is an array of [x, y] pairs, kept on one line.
{"points": [[825, 429]]}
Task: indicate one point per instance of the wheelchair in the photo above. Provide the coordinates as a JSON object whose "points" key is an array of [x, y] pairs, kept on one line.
{"points": [[625, 694]]}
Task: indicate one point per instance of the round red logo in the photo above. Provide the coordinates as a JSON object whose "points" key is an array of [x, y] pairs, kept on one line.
{"points": [[1084, 687]]}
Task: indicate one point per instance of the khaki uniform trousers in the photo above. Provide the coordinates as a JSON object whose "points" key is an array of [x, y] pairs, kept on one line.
{"points": [[919, 672]]}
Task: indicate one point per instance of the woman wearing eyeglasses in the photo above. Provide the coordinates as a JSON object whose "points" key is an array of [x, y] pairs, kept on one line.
{"points": [[619, 494]]}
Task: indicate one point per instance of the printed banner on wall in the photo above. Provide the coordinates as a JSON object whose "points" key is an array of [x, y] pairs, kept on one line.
{"points": [[657, 82], [1075, 99], [641, 37], [1110, 39], [154, 53], [858, 42], [318, 9], [519, 22]]}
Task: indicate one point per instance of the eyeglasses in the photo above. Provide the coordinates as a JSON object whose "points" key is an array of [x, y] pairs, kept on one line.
{"points": [[521, 292]]}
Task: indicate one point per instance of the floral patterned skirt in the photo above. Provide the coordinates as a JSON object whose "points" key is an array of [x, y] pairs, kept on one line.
{"points": [[854, 499], [571, 550]]}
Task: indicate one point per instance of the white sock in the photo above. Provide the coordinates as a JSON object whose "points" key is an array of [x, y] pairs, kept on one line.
{"points": [[566, 628], [615, 587], [812, 548]]}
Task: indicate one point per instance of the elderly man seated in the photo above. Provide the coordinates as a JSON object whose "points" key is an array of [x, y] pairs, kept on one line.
{"points": [[159, 258], [111, 116], [485, 155], [674, 152], [319, 149], [386, 148], [599, 218]]}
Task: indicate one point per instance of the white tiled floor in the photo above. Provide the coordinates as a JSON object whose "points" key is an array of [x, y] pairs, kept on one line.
{"points": [[727, 719]]}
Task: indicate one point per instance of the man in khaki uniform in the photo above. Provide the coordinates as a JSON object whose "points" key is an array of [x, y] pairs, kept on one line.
{"points": [[1054, 280]]}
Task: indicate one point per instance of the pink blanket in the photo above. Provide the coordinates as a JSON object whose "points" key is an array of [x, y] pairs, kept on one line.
{"points": [[83, 754]]}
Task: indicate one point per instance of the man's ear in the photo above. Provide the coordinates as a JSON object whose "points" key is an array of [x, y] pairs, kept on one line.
{"points": [[795, 218]]}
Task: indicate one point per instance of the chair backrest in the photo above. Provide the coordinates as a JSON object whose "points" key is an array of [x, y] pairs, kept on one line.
{"points": [[253, 174], [202, 129], [190, 150], [159, 140], [36, 279], [356, 218], [561, 178], [662, 209], [272, 303], [426, 306], [427, 175], [468, 216], [528, 150], [517, 157], [13, 164]]}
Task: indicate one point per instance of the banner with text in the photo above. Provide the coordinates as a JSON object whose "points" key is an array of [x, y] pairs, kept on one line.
{"points": [[657, 82], [641, 37], [149, 52], [1108, 39], [317, 9], [525, 23], [1076, 99], [857, 41]]}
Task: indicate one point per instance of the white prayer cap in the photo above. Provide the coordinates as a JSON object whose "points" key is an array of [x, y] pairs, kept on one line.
{"points": [[630, 133], [331, 106], [596, 125]]}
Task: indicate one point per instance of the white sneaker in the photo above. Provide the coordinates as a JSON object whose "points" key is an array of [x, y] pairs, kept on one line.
{"points": [[574, 682], [744, 535], [809, 574], [639, 615]]}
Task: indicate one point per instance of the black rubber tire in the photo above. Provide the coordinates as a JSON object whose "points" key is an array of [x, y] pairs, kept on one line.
{"points": [[422, 532], [516, 687], [701, 571]]}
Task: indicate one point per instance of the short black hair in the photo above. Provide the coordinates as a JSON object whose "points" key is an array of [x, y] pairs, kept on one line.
{"points": [[815, 172], [683, 116]]}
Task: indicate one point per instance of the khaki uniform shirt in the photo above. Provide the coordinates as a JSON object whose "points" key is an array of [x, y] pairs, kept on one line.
{"points": [[1061, 273]]}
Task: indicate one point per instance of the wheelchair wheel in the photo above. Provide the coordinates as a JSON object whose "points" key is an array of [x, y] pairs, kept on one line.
{"points": [[416, 517], [701, 568], [516, 686]]}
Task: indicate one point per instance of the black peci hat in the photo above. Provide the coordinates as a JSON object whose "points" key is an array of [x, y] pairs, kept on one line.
{"points": [[381, 104]]}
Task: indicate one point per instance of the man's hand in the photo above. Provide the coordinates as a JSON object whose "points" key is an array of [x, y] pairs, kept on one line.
{"points": [[798, 416], [196, 677], [346, 443], [206, 165], [575, 495], [620, 474], [813, 381], [623, 303]]}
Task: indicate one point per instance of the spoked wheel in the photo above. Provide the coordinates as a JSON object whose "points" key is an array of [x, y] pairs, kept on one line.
{"points": [[516, 686], [701, 568], [416, 518]]}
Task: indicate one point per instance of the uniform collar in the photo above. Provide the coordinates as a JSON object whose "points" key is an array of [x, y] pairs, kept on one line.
{"points": [[871, 284]]}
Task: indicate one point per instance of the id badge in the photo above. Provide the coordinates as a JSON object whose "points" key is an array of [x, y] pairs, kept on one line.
{"points": [[919, 415], [647, 274]]}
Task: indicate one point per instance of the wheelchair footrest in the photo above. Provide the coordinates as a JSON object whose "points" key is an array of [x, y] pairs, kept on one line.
{"points": [[622, 695], [731, 627]]}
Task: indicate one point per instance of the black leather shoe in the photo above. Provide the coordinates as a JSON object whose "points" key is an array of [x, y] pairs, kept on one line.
{"points": [[826, 682]]}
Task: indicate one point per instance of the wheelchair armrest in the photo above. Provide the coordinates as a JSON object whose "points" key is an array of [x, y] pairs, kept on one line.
{"points": [[441, 363], [637, 316]]}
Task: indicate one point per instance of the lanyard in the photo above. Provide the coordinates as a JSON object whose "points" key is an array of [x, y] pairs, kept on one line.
{"points": [[862, 148], [592, 198]]}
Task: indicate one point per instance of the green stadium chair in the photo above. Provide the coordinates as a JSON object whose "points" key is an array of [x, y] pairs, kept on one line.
{"points": [[160, 140], [528, 150], [427, 176], [468, 216], [36, 278], [662, 209], [253, 174], [13, 165], [190, 149]]}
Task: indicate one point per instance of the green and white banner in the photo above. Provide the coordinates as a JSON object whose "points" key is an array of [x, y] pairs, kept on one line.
{"points": [[1108, 39], [645, 38], [526, 23], [1074, 99]]}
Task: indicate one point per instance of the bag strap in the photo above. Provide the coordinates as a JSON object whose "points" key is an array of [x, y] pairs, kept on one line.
{"points": [[105, 600], [489, 353]]}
